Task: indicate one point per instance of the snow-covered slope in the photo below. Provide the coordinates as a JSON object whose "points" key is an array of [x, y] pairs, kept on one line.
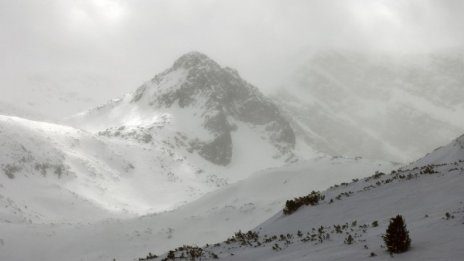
{"points": [[203, 109], [429, 196], [213, 217], [52, 173], [391, 107], [453, 152]]}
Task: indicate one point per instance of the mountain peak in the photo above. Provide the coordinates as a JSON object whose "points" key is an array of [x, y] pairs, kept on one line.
{"points": [[219, 106], [193, 59]]}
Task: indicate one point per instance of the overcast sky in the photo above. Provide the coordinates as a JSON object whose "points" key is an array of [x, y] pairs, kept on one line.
{"points": [[83, 52]]}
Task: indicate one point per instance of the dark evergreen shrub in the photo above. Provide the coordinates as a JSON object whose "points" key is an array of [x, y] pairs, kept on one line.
{"points": [[397, 236], [171, 255], [349, 240], [293, 205]]}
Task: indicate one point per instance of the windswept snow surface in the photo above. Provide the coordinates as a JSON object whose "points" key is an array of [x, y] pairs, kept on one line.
{"points": [[211, 218], [428, 194]]}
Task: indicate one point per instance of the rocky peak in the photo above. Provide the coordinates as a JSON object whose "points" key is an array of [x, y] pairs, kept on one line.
{"points": [[195, 60], [196, 81], [220, 101]]}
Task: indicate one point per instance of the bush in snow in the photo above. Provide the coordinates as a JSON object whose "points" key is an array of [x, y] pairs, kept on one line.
{"points": [[149, 256], [397, 236], [428, 170], [171, 255], [311, 199]]}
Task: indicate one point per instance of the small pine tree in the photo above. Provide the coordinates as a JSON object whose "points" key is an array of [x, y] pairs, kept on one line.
{"points": [[349, 240], [397, 236], [447, 215], [171, 255]]}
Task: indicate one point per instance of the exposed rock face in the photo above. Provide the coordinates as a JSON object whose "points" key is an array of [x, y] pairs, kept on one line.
{"points": [[224, 96], [218, 151], [220, 100]]}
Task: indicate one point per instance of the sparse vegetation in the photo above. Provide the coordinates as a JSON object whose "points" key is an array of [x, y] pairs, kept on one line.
{"points": [[148, 257], [429, 169], [448, 216], [10, 170], [350, 233]]}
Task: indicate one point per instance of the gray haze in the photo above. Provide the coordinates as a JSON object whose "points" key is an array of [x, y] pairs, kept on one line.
{"points": [[60, 57]]}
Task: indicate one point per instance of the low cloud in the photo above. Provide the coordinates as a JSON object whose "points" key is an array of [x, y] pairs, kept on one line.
{"points": [[124, 43]]}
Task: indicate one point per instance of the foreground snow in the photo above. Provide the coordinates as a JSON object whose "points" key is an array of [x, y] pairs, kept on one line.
{"points": [[212, 218], [428, 194]]}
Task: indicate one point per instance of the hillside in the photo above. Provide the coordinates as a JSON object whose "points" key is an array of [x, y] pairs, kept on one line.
{"points": [[66, 171], [429, 196]]}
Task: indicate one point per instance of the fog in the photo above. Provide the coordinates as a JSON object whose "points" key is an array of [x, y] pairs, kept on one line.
{"points": [[82, 53]]}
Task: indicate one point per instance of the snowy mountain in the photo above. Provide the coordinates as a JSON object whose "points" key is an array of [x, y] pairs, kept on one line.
{"points": [[422, 193], [197, 153], [383, 106], [188, 131], [201, 108], [349, 219]]}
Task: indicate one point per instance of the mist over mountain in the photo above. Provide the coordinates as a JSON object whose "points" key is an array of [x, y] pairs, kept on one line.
{"points": [[384, 106]]}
